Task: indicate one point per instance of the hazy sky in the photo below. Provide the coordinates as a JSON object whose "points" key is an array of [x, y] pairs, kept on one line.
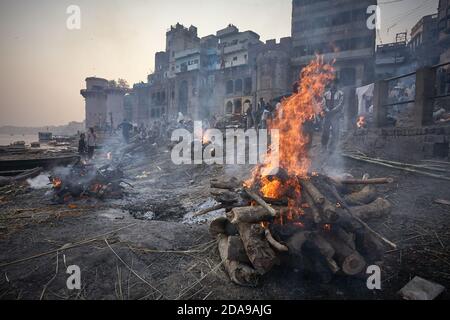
{"points": [[43, 64]]}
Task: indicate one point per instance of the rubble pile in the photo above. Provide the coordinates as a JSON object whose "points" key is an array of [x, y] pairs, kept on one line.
{"points": [[85, 180]]}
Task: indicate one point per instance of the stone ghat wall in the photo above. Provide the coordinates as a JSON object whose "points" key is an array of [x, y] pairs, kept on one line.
{"points": [[401, 144]]}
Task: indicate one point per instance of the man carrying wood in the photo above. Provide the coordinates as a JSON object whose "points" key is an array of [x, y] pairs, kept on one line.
{"points": [[333, 105]]}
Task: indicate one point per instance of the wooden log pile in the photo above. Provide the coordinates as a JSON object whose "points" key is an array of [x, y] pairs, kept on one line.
{"points": [[324, 233]]}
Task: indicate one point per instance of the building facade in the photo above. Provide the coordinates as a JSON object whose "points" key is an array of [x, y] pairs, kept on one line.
{"points": [[338, 30], [221, 74], [444, 29], [226, 72], [424, 47], [103, 103]]}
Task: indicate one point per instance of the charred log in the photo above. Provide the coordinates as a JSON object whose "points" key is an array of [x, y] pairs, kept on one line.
{"points": [[222, 226], [259, 252], [367, 195], [238, 272], [378, 208], [253, 214]]}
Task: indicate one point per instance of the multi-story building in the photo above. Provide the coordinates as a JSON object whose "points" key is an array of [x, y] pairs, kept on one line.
{"points": [[338, 30], [423, 44], [393, 59], [227, 72], [215, 75], [444, 29]]}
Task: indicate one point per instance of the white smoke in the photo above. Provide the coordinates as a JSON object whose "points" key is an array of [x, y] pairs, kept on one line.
{"points": [[40, 182]]}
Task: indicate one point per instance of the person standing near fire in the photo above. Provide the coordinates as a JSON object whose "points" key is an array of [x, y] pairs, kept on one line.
{"points": [[82, 145], [91, 142], [126, 130], [333, 105]]}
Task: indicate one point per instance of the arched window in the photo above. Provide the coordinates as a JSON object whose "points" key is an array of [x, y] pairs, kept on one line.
{"points": [[230, 86], [229, 108], [238, 86]]}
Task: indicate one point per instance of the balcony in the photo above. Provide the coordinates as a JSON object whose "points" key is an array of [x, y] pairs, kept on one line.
{"points": [[187, 53], [235, 48]]}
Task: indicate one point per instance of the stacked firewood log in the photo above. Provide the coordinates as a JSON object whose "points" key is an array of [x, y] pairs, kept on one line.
{"points": [[324, 233]]}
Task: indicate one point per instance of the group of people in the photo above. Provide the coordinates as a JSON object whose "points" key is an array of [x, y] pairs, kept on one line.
{"points": [[87, 143], [257, 117]]}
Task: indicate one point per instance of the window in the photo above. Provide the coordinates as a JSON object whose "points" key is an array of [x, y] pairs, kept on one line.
{"points": [[248, 86], [235, 58], [238, 86], [237, 106], [347, 76], [229, 108], [230, 86]]}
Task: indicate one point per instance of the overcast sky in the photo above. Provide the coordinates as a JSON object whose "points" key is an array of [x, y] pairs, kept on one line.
{"points": [[43, 64]]}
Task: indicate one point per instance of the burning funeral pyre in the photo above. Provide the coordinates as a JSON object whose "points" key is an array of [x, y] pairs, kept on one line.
{"points": [[84, 180], [291, 216]]}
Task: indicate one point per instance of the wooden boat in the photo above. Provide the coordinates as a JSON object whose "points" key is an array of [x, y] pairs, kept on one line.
{"points": [[45, 161]]}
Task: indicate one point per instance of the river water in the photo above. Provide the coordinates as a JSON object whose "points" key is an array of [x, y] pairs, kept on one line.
{"points": [[6, 139]]}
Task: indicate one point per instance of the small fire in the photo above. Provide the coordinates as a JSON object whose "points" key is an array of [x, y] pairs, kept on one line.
{"points": [[206, 138], [57, 183], [109, 156], [361, 123], [272, 189], [327, 227], [265, 225]]}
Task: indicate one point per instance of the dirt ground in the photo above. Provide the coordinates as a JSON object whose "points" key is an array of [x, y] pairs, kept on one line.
{"points": [[148, 246]]}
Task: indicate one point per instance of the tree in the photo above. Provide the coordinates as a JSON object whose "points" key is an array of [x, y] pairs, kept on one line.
{"points": [[122, 83]]}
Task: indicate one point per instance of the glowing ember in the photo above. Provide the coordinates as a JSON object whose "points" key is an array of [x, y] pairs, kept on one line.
{"points": [[361, 122], [327, 227], [299, 224], [57, 183], [272, 189]]}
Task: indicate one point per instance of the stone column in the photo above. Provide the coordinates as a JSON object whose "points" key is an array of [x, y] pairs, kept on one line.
{"points": [[425, 91], [380, 98]]}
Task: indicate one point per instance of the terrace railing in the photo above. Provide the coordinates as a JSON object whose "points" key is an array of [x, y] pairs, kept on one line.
{"points": [[413, 95]]}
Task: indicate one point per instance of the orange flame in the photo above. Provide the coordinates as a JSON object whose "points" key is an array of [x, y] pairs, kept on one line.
{"points": [[57, 183], [296, 111]]}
